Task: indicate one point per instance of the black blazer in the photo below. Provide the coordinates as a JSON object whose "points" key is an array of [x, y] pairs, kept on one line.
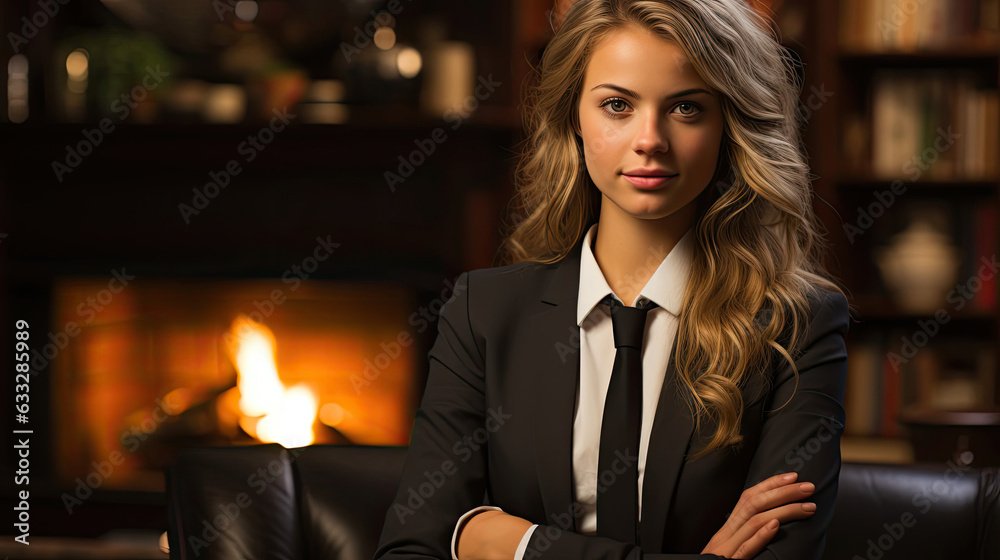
{"points": [[496, 422]]}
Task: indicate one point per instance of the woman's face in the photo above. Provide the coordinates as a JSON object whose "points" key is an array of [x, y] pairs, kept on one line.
{"points": [[641, 114]]}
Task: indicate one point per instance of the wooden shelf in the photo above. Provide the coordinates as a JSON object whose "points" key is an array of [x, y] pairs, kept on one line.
{"points": [[858, 449], [846, 183], [862, 182], [933, 417], [933, 57], [138, 547], [890, 315], [359, 118], [877, 307]]}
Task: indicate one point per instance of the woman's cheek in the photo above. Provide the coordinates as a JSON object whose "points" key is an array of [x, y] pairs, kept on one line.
{"points": [[599, 153]]}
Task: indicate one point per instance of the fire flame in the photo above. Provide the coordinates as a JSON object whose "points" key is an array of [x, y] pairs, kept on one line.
{"points": [[269, 411]]}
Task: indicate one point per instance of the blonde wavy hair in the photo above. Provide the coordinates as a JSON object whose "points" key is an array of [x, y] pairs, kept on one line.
{"points": [[759, 245]]}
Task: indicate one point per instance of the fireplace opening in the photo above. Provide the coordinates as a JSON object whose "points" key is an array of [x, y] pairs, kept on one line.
{"points": [[166, 364]]}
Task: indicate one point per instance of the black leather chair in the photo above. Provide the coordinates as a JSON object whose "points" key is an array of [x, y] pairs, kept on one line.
{"points": [[329, 502]]}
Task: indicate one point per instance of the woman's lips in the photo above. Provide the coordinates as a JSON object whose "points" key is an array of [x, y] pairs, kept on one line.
{"points": [[649, 183]]}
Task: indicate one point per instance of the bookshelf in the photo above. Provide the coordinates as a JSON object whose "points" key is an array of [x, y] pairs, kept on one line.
{"points": [[907, 160]]}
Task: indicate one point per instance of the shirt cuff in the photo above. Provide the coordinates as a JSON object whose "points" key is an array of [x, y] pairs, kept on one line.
{"points": [[461, 523], [521, 548]]}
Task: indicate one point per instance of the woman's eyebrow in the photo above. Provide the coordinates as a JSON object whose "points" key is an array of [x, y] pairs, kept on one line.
{"points": [[631, 93]]}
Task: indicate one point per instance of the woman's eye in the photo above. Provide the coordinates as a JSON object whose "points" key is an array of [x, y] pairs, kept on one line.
{"points": [[692, 107], [617, 106]]}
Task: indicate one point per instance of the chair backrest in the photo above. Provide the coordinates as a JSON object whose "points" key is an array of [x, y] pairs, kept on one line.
{"points": [[345, 493], [233, 502], [885, 512], [264, 501], [330, 502]]}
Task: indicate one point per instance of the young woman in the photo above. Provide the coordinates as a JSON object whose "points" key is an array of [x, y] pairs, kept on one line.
{"points": [[663, 170]]}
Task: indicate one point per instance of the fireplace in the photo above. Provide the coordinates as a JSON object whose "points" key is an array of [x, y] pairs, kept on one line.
{"points": [[157, 365]]}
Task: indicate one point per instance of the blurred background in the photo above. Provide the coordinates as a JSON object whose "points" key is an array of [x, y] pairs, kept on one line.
{"points": [[230, 222]]}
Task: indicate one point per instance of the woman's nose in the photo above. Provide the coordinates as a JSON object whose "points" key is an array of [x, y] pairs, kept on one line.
{"points": [[649, 137]]}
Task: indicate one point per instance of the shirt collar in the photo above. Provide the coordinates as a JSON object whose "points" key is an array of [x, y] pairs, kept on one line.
{"points": [[665, 287]]}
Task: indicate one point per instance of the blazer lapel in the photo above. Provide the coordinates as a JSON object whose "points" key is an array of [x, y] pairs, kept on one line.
{"points": [[557, 357], [668, 447]]}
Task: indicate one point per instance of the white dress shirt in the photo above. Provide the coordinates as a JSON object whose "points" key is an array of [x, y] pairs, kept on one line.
{"points": [[597, 356]]}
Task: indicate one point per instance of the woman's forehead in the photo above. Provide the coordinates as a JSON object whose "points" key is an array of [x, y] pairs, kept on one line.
{"points": [[641, 61]]}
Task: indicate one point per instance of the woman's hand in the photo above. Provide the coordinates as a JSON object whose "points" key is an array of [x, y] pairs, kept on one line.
{"points": [[491, 535], [755, 519]]}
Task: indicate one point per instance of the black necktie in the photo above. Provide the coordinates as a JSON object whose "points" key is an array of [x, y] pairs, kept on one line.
{"points": [[618, 461]]}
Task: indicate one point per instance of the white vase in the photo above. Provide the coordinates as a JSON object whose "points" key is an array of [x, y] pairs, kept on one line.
{"points": [[919, 266]]}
